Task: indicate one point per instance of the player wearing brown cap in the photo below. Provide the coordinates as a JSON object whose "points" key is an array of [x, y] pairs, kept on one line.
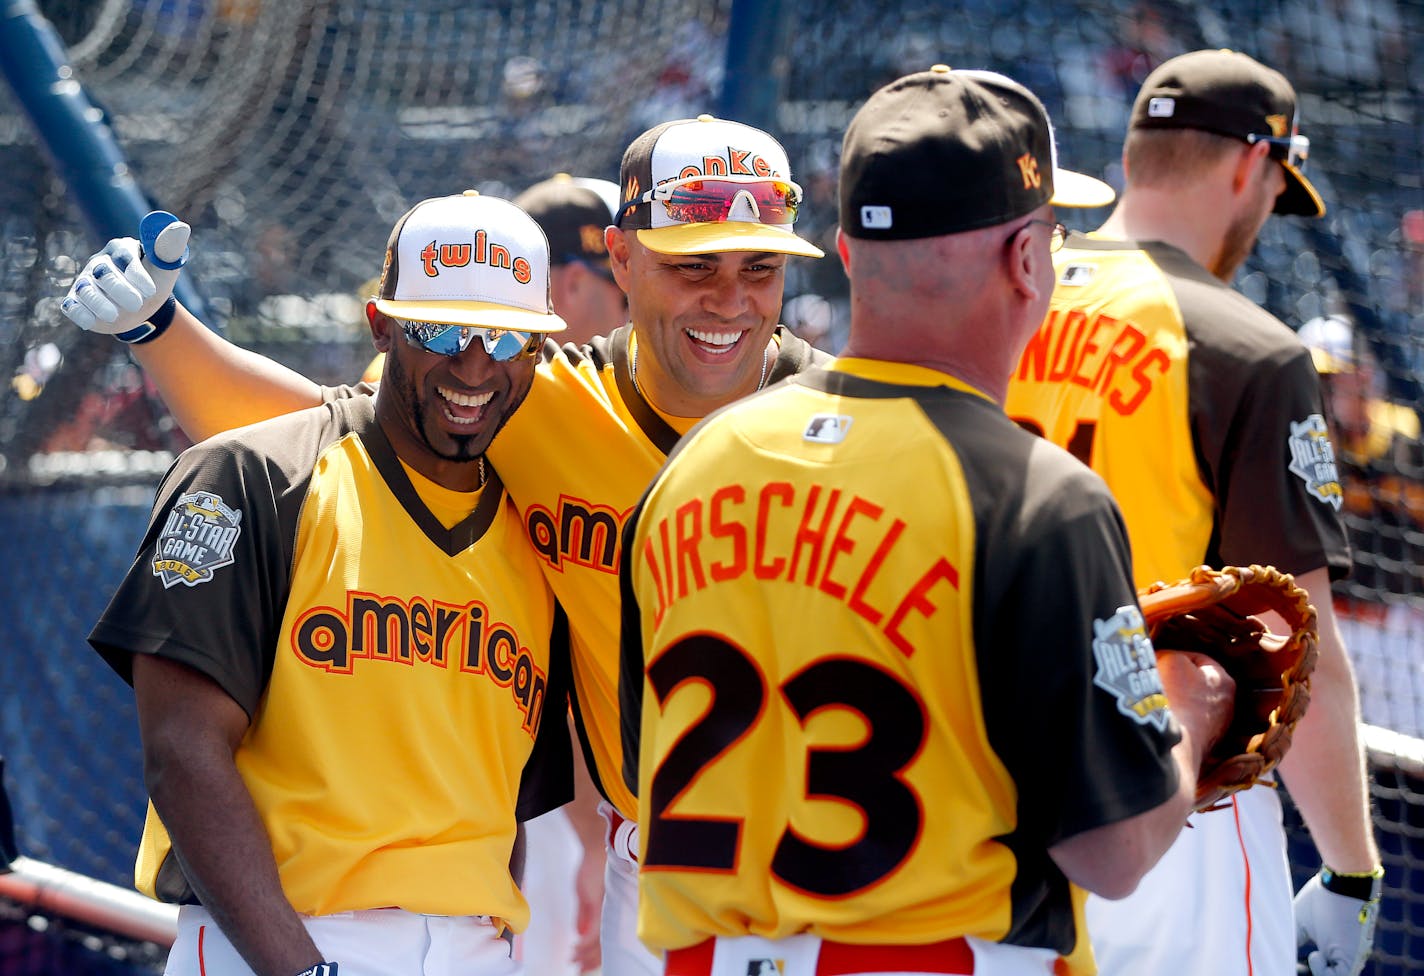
{"points": [[573, 212], [851, 650], [1203, 414]]}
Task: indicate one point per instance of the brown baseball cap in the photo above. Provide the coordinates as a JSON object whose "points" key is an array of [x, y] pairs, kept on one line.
{"points": [[945, 151], [1230, 94], [573, 214]]}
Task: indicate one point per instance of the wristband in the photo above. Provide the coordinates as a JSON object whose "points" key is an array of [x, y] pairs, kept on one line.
{"points": [[1365, 887], [156, 325], [320, 969]]}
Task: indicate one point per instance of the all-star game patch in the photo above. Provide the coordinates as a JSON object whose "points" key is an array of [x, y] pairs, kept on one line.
{"points": [[1313, 460], [1127, 667], [197, 539]]}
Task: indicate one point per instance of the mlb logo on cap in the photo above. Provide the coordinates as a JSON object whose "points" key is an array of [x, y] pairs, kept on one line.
{"points": [[1161, 108], [469, 260]]}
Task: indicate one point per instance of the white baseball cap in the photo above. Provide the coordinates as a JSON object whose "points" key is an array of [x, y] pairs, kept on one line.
{"points": [[468, 260], [1332, 344], [734, 183]]}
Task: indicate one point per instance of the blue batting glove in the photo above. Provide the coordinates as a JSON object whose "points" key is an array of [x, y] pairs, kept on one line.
{"points": [[320, 969], [126, 290]]}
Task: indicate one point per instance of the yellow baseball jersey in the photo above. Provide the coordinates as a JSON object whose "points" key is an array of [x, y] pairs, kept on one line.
{"points": [[397, 672], [881, 650], [1200, 410], [576, 456]]}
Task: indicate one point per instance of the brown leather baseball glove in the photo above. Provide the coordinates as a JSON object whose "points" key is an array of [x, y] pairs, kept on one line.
{"points": [[1213, 612]]}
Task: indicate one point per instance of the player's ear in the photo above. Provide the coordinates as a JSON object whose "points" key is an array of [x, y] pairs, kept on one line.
{"points": [[381, 327], [843, 250], [619, 252], [1248, 163], [1023, 259]]}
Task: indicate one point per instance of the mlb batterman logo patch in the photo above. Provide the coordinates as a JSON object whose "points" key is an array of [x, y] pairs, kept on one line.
{"points": [[197, 539], [1127, 667], [826, 428], [1313, 460]]}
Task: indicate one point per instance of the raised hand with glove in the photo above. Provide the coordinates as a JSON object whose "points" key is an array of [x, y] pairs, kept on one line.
{"points": [[1336, 913], [126, 289]]}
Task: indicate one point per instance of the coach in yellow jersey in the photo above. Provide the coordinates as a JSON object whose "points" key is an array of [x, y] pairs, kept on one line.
{"points": [[887, 692], [1204, 415], [339, 640]]}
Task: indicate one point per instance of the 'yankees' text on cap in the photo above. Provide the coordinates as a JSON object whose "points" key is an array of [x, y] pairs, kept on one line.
{"points": [[946, 151], [468, 260]]}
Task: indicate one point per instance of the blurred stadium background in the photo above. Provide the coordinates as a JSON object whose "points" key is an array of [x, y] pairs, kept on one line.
{"points": [[292, 133]]}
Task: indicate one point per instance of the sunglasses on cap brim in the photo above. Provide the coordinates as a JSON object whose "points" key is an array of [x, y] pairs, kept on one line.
{"points": [[705, 200], [1291, 150], [443, 339]]}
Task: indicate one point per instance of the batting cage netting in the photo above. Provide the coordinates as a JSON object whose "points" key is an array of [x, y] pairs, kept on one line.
{"points": [[292, 133]]}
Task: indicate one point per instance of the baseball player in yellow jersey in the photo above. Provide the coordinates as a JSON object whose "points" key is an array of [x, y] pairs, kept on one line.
{"points": [[565, 861], [340, 644], [1203, 414], [861, 606], [702, 262]]}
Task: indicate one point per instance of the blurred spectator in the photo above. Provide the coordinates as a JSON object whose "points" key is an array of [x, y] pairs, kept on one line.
{"points": [[1099, 86], [1411, 284], [1381, 463], [687, 81], [1342, 44], [1142, 43]]}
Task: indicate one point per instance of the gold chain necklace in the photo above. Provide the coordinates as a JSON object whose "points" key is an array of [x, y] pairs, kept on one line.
{"points": [[633, 375]]}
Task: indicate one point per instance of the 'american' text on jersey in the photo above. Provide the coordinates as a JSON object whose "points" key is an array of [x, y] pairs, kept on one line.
{"points": [[421, 631], [1108, 356], [579, 532], [840, 543]]}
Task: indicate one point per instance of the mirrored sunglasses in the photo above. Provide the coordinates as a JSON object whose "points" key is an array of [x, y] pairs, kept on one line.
{"points": [[702, 200], [1292, 150], [443, 339]]}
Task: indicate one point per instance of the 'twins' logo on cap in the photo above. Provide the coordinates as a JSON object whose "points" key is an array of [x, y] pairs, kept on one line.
{"points": [[436, 255]]}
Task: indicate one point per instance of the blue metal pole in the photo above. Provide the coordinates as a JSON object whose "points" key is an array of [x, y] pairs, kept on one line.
{"points": [[757, 62], [73, 131]]}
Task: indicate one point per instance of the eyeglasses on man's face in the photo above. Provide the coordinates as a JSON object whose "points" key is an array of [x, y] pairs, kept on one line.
{"points": [[1292, 150], [1056, 236]]}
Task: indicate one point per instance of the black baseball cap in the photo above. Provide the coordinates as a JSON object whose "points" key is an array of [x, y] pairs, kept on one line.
{"points": [[945, 151], [573, 214], [1230, 94]]}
